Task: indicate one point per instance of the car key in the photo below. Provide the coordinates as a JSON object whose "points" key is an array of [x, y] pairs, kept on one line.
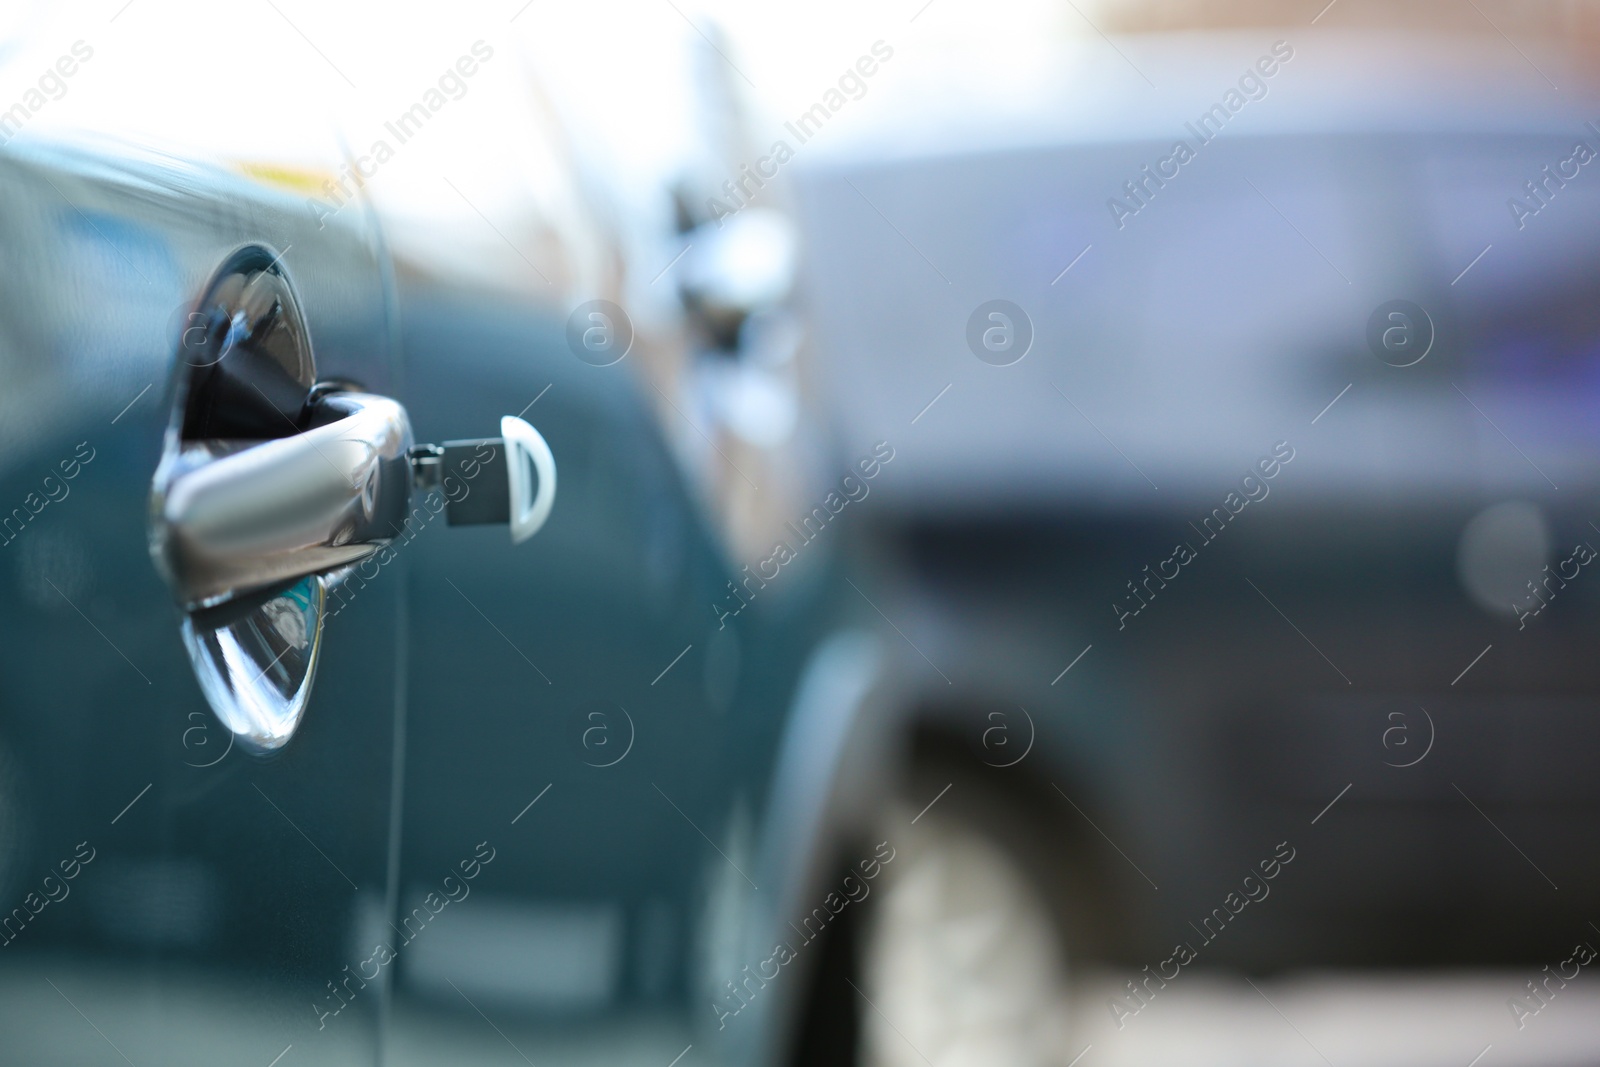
{"points": [[510, 479]]}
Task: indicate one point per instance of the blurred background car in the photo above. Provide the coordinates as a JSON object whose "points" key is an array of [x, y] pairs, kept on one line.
{"points": [[1247, 398], [1070, 547]]}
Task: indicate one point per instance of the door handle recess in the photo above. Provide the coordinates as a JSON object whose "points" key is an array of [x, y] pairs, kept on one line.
{"points": [[233, 517]]}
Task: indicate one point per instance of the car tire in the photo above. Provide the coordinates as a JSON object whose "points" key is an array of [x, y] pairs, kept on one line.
{"points": [[961, 960]]}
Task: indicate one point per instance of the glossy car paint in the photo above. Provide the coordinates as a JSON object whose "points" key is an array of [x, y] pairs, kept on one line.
{"points": [[222, 886], [537, 784]]}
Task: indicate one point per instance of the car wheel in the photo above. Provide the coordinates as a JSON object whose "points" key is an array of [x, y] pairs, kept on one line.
{"points": [[961, 960]]}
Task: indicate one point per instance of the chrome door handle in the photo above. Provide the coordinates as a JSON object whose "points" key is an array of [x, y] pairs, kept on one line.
{"points": [[234, 517]]}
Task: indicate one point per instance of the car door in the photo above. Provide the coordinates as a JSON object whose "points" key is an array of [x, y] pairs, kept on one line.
{"points": [[173, 890], [563, 708], [592, 718]]}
